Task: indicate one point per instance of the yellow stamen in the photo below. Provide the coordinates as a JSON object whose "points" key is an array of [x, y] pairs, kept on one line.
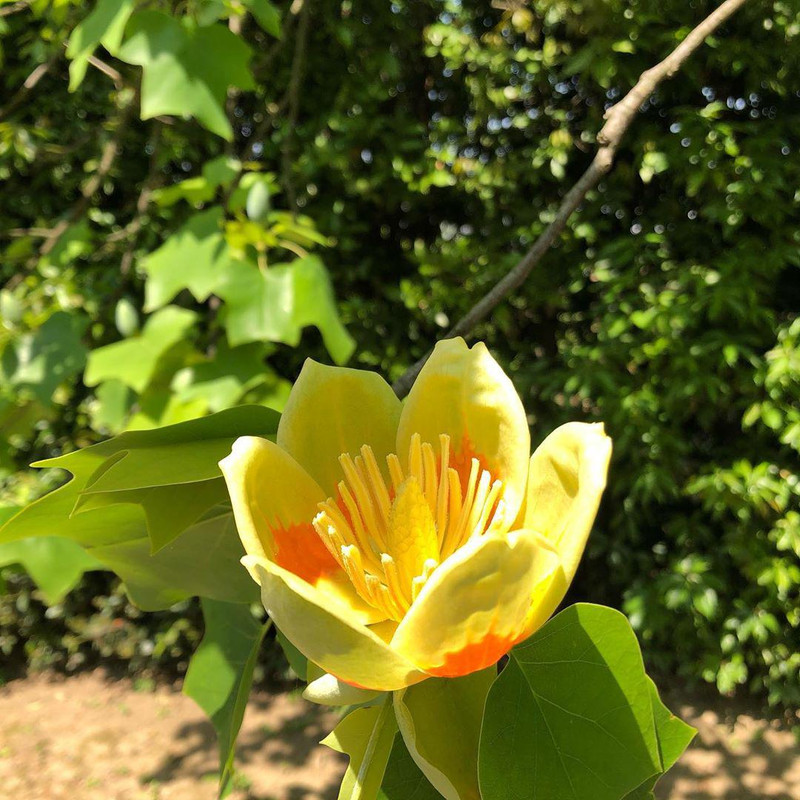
{"points": [[390, 537]]}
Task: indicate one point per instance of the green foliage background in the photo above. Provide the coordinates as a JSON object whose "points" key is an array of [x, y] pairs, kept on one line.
{"points": [[344, 180]]}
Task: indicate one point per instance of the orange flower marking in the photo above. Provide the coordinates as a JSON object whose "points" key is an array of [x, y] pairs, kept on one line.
{"points": [[475, 656], [462, 457], [298, 549]]}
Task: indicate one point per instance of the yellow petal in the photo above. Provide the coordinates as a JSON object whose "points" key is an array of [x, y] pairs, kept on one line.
{"points": [[474, 608], [274, 500], [566, 481], [334, 410], [327, 632], [464, 393]]}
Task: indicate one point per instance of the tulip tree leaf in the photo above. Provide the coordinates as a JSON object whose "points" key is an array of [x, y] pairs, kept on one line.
{"points": [[169, 510], [277, 304], [201, 560], [403, 779], [267, 15], [40, 361], [55, 565], [367, 736], [219, 171], [576, 709], [161, 465], [674, 736], [204, 560], [440, 720], [297, 661], [135, 361], [221, 381], [186, 68], [105, 25], [220, 673], [196, 257]]}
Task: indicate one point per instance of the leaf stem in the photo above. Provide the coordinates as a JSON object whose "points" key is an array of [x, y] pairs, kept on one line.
{"points": [[375, 735]]}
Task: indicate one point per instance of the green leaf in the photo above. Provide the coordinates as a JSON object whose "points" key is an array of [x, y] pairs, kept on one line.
{"points": [[297, 661], [220, 673], [41, 361], [169, 464], [187, 69], [403, 779], [110, 407], [440, 720], [55, 565], [204, 560], [367, 736], [574, 707], [168, 510], [222, 381], [105, 25], [277, 304], [267, 15], [134, 361], [220, 171], [201, 560], [196, 257], [674, 736]]}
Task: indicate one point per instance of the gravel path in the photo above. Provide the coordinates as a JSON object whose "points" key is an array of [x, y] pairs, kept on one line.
{"points": [[88, 737]]}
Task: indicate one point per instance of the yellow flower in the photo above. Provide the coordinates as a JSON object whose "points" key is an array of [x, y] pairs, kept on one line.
{"points": [[393, 541]]}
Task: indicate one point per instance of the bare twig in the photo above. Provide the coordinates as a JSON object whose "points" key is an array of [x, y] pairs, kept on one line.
{"points": [[152, 180], [13, 8], [271, 112], [107, 69], [618, 119], [107, 158], [29, 84]]}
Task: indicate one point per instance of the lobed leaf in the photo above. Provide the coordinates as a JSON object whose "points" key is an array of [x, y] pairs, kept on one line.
{"points": [[220, 674]]}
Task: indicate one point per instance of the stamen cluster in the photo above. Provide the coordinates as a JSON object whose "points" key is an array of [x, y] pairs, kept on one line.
{"points": [[391, 539]]}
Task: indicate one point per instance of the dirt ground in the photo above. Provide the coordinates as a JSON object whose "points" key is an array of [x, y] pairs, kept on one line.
{"points": [[89, 737]]}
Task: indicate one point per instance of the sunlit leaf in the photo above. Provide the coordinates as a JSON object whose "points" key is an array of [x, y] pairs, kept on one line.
{"points": [[220, 673], [187, 69], [367, 736], [201, 560], [40, 361], [574, 706], [268, 16], [220, 171], [196, 257], [55, 565], [105, 25], [440, 720], [134, 361], [275, 305]]}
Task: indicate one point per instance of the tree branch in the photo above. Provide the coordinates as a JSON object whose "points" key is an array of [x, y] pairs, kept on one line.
{"points": [[618, 119], [151, 182], [107, 158], [29, 84], [7, 11]]}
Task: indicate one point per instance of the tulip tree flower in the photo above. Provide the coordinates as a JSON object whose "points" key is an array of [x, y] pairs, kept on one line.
{"points": [[395, 542]]}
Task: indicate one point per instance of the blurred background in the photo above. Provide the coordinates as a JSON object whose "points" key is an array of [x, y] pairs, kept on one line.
{"points": [[198, 195]]}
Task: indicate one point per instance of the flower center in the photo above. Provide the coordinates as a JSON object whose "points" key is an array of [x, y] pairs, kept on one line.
{"points": [[390, 539]]}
